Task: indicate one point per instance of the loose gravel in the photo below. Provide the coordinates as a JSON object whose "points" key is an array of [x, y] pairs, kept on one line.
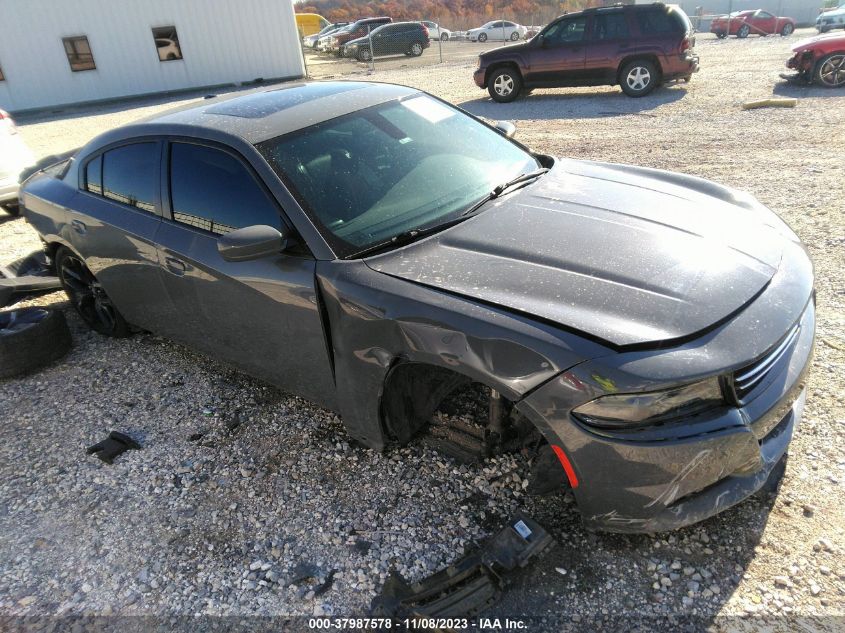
{"points": [[246, 501]]}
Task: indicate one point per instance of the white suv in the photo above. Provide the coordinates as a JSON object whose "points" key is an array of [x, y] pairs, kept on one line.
{"points": [[14, 158], [833, 19]]}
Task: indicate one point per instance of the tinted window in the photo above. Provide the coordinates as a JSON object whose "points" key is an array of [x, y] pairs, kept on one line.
{"points": [[566, 31], [213, 190], [610, 26], [130, 175], [94, 176], [78, 53], [656, 22], [167, 43]]}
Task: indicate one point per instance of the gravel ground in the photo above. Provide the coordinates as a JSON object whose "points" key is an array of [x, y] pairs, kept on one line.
{"points": [[246, 501]]}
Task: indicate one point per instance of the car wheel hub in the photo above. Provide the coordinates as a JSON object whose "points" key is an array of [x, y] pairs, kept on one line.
{"points": [[832, 71], [638, 78], [503, 85], [417, 49]]}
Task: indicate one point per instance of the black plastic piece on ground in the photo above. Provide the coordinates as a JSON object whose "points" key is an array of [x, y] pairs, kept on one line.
{"points": [[472, 584], [115, 444], [28, 275]]}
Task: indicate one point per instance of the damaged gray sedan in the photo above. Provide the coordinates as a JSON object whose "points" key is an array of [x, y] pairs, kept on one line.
{"points": [[644, 335]]}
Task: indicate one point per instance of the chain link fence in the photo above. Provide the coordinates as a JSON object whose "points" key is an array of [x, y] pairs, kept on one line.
{"points": [[372, 46]]}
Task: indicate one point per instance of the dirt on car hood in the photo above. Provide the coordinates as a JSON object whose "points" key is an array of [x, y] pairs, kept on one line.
{"points": [[627, 256]]}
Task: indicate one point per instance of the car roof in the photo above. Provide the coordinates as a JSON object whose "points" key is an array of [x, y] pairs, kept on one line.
{"points": [[265, 113]]}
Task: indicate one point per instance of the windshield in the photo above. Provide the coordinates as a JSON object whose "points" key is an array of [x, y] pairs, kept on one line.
{"points": [[404, 165]]}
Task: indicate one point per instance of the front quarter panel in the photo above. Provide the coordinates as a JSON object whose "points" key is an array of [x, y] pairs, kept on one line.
{"points": [[376, 321]]}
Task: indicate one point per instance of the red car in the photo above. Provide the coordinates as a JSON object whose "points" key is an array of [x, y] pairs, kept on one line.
{"points": [[820, 59], [753, 22]]}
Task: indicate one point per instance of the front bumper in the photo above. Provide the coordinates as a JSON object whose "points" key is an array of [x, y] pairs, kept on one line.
{"points": [[683, 473], [478, 77]]}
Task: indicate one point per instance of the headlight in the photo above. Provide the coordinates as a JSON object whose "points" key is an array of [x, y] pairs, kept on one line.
{"points": [[626, 410]]}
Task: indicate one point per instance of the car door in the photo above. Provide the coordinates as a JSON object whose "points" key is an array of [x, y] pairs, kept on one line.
{"points": [[113, 224], [260, 315], [609, 42], [763, 22], [558, 58]]}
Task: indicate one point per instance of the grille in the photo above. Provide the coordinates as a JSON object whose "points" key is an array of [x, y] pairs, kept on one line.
{"points": [[750, 376]]}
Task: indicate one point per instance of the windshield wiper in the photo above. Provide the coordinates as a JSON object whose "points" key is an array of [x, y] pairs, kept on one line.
{"points": [[406, 237], [498, 190]]}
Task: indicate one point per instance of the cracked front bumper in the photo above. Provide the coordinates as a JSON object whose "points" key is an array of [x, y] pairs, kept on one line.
{"points": [[682, 473]]}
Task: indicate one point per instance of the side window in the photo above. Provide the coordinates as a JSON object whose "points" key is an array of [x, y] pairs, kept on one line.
{"points": [[610, 26], [94, 176], [566, 31], [655, 22], [212, 190], [79, 54], [2, 77], [130, 175], [167, 43]]}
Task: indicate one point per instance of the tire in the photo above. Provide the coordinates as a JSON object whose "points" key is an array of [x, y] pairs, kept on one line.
{"points": [[830, 71], [482, 37], [364, 55], [638, 78], [743, 31], [514, 36], [444, 37], [787, 30], [88, 297], [504, 85], [416, 49], [31, 338], [12, 208]]}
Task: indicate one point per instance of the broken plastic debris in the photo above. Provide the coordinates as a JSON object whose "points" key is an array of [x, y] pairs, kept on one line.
{"points": [[115, 444], [473, 583]]}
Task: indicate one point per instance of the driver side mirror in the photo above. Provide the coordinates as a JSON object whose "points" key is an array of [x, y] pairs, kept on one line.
{"points": [[539, 40], [505, 128], [252, 242]]}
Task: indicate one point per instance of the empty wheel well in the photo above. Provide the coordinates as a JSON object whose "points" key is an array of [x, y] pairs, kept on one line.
{"points": [[454, 414], [652, 58], [496, 66]]}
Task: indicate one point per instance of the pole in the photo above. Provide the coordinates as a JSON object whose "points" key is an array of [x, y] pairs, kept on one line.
{"points": [[372, 52], [440, 40]]}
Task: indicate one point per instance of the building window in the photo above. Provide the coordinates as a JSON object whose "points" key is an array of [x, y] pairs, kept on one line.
{"points": [[78, 53], [167, 43]]}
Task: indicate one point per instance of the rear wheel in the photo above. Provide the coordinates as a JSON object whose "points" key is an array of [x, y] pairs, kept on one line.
{"points": [[638, 78], [787, 30], [88, 297], [743, 31], [416, 49], [830, 71], [504, 85]]}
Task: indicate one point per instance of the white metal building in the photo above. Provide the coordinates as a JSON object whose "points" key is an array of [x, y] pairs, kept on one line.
{"points": [[60, 52]]}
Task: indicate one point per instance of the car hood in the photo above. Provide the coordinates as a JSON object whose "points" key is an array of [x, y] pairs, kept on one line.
{"points": [[625, 255], [818, 39], [506, 50]]}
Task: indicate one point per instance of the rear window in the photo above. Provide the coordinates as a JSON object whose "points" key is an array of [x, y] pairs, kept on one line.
{"points": [[657, 22], [130, 175]]}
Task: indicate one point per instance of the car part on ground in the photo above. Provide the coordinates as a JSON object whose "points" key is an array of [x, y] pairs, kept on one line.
{"points": [[31, 338], [470, 585], [30, 275], [364, 314], [114, 445], [594, 48], [784, 102], [820, 60]]}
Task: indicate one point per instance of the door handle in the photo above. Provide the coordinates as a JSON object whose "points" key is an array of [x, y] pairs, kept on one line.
{"points": [[79, 226], [176, 266]]}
